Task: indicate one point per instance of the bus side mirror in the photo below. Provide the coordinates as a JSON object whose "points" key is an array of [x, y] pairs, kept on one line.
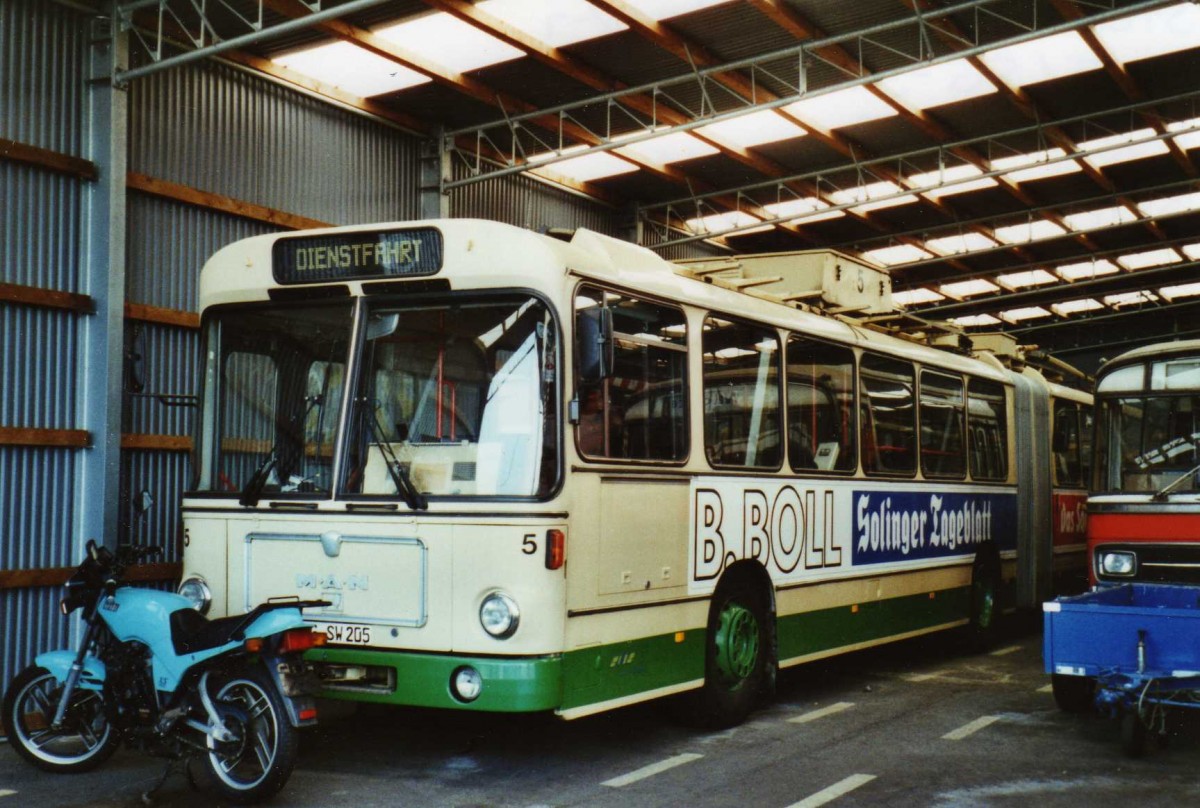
{"points": [[594, 332]]}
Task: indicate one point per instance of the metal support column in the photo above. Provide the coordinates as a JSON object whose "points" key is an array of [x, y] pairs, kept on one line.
{"points": [[435, 172], [97, 483]]}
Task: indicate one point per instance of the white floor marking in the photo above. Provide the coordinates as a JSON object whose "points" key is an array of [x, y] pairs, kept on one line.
{"points": [[821, 713], [919, 677], [651, 770], [971, 729], [1012, 649], [836, 790], [7, 792], [1046, 689]]}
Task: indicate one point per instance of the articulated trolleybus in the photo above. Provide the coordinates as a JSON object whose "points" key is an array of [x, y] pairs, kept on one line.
{"points": [[538, 475]]}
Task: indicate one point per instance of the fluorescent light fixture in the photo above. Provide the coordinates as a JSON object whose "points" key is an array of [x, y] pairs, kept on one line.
{"points": [[672, 148], [899, 254], [563, 22], [1026, 279], [1069, 307], [963, 243], [950, 175], [1192, 251], [447, 40], [1028, 231], [1170, 204], [1039, 169], [1050, 57], [916, 297], [1103, 217], [873, 190], [1136, 151], [961, 289], [1154, 33], [588, 167], [717, 222], [764, 126], [1189, 140], [1183, 290], [1026, 313], [1150, 258], [665, 9], [1130, 299], [796, 207], [842, 108], [1086, 269], [974, 320], [936, 85], [350, 68]]}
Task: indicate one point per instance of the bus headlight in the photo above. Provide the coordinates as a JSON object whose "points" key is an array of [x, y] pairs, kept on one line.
{"points": [[499, 615], [1118, 563], [466, 684], [196, 590]]}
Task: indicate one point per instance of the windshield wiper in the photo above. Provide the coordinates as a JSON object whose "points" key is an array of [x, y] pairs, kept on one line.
{"points": [[252, 493], [1161, 494], [400, 477]]}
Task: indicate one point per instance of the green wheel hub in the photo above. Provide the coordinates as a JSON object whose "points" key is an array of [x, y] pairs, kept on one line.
{"points": [[737, 644], [985, 603]]}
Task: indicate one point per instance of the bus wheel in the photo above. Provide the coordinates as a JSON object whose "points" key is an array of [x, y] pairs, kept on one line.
{"points": [[985, 588], [1073, 694], [737, 656]]}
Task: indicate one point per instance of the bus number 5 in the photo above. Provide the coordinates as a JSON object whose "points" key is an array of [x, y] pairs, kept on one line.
{"points": [[529, 545]]}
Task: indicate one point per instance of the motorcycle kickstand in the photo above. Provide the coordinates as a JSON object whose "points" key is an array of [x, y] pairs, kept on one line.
{"points": [[149, 796]]}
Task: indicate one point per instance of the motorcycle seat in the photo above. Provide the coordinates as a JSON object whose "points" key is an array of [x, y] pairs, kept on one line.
{"points": [[192, 632]]}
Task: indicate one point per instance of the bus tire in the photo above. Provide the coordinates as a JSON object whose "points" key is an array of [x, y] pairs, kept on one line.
{"points": [[738, 657], [1073, 694], [982, 629]]}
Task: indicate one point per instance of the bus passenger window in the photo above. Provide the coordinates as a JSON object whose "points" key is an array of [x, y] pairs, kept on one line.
{"points": [[888, 420], [741, 394], [987, 430], [820, 406], [639, 410], [1064, 445], [942, 450]]}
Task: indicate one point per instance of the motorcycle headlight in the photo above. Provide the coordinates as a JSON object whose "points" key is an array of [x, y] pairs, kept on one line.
{"points": [[499, 615], [196, 590], [1118, 563]]}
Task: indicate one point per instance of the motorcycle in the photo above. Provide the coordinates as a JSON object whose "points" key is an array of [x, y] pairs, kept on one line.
{"points": [[229, 694]]}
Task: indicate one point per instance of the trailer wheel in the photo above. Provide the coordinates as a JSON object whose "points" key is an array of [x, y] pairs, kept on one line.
{"points": [[1134, 737], [1073, 694]]}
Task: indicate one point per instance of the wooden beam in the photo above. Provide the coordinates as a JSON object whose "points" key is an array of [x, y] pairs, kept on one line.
{"points": [[57, 576], [44, 158], [160, 316], [46, 438], [46, 298], [165, 443], [220, 202]]}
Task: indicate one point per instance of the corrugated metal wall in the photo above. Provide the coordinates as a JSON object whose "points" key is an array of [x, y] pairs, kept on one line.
{"points": [[529, 203], [43, 51]]}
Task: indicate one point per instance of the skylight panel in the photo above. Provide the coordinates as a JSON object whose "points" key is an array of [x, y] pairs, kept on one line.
{"points": [[563, 22], [842, 108], [1086, 269], [873, 191], [963, 243], [1026, 313], [1182, 290], [1150, 258], [764, 126], [796, 207], [961, 289], [1188, 140], [1154, 33], [1042, 59], [1192, 251], [672, 148], [1170, 204], [1026, 279], [936, 85], [1069, 307], [1130, 299], [974, 320], [588, 167], [1136, 151], [717, 222], [351, 68], [951, 174], [1039, 168], [1028, 231], [665, 9], [916, 297], [447, 40], [899, 254], [1103, 217]]}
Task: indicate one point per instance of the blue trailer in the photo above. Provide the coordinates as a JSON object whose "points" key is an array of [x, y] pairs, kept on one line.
{"points": [[1132, 651]]}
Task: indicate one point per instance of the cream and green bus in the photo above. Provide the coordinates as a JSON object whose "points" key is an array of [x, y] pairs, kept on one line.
{"points": [[531, 474]]}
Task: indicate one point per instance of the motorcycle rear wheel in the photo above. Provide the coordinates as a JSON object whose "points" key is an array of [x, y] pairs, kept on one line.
{"points": [[86, 739], [257, 764]]}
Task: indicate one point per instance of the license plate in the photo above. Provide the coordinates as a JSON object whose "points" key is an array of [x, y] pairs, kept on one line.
{"points": [[347, 633]]}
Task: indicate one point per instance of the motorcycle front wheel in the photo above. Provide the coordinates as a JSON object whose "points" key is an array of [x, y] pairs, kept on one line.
{"points": [[258, 761], [84, 741]]}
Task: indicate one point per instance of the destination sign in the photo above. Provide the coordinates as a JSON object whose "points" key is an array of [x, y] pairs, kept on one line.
{"points": [[352, 256]]}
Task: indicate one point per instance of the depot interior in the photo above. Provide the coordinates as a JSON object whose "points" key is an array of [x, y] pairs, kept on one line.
{"points": [[1018, 166]]}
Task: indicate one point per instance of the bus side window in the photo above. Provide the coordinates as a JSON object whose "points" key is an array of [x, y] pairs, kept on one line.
{"points": [[942, 450], [742, 421], [1065, 444], [987, 430], [1085, 444], [820, 406], [889, 408]]}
